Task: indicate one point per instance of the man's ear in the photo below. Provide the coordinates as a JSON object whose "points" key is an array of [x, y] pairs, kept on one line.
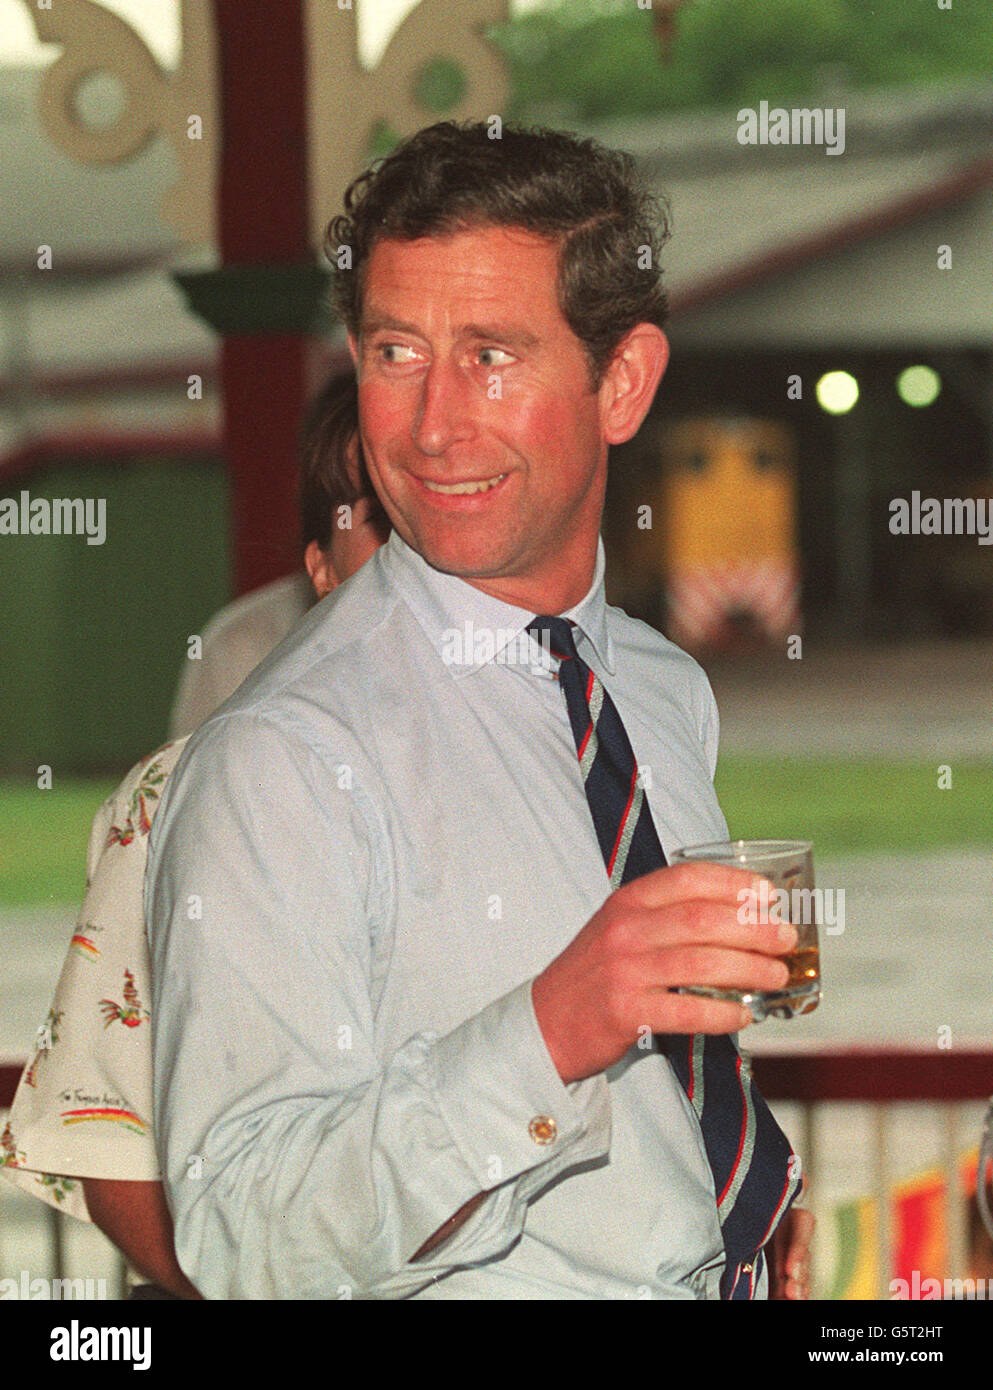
{"points": [[353, 348], [320, 569], [631, 380]]}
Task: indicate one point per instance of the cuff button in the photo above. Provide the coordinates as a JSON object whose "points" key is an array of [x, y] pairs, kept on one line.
{"points": [[543, 1129]]}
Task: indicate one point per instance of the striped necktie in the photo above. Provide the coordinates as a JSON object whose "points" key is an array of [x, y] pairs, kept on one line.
{"points": [[750, 1157]]}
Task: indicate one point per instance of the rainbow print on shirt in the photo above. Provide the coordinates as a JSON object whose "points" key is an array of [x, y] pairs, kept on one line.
{"points": [[82, 942], [113, 1114]]}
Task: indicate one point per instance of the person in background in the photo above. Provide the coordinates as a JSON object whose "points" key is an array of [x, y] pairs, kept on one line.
{"points": [[237, 638], [79, 1134]]}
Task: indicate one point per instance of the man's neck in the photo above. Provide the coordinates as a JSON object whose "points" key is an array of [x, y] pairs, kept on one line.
{"points": [[546, 598]]}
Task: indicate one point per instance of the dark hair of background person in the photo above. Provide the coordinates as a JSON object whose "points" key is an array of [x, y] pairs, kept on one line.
{"points": [[451, 177], [330, 429]]}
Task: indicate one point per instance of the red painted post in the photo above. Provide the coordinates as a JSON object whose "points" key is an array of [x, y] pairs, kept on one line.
{"points": [[263, 222], [875, 1074]]}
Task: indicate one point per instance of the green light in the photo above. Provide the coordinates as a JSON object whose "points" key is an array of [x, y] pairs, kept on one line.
{"points": [[837, 392], [918, 386]]}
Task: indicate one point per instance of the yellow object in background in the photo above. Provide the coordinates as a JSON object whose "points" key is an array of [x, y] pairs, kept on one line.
{"points": [[728, 492], [727, 507]]}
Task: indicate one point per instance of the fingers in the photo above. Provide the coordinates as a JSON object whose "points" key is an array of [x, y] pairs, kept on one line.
{"points": [[701, 943], [797, 1262], [797, 1284], [704, 922], [686, 1013], [682, 882], [803, 1227], [717, 966]]}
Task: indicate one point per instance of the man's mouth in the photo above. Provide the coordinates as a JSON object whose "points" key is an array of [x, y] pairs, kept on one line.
{"points": [[464, 489]]}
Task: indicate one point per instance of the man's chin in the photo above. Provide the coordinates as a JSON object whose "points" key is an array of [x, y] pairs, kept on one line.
{"points": [[462, 554], [463, 566]]}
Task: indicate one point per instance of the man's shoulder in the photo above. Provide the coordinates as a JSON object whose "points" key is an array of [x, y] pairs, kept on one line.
{"points": [[636, 643], [328, 665], [123, 822], [662, 684]]}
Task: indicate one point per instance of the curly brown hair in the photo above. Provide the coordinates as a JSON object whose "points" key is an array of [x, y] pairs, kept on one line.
{"points": [[451, 177], [330, 431]]}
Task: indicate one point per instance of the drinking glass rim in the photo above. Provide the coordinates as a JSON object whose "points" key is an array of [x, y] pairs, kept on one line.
{"points": [[739, 849]]}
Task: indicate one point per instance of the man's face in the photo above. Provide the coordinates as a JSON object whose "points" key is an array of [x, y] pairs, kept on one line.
{"points": [[481, 434]]}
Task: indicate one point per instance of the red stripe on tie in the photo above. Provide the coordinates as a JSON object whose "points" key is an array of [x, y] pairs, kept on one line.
{"points": [[741, 1137], [689, 1069], [586, 739], [624, 820]]}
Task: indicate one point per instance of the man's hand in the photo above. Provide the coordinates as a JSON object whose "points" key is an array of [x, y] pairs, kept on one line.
{"points": [[789, 1255], [675, 926]]}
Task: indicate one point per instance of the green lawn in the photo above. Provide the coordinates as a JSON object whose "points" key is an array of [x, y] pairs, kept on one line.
{"points": [[839, 804], [43, 839]]}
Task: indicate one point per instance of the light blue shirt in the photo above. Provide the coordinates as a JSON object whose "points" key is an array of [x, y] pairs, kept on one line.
{"points": [[360, 864]]}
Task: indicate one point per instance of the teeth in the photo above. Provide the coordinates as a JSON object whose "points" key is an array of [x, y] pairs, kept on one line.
{"points": [[465, 489]]}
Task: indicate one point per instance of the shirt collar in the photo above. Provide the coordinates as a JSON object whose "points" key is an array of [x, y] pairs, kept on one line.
{"points": [[469, 628]]}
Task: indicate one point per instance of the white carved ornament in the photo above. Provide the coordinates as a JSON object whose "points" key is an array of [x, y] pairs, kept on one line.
{"points": [[345, 102], [156, 102]]}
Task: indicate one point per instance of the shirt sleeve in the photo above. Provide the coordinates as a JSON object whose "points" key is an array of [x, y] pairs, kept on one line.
{"points": [[710, 733], [83, 1106], [301, 1159]]}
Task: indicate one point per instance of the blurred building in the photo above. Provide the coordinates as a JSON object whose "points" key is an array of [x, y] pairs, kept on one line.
{"points": [[109, 388], [785, 263]]}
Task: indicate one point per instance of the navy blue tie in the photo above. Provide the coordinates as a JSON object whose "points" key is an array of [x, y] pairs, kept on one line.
{"points": [[756, 1175]]}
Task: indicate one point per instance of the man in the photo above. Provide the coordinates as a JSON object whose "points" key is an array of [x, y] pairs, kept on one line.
{"points": [[398, 1003], [79, 1133]]}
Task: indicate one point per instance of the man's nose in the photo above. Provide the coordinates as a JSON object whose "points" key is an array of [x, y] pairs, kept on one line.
{"points": [[445, 413]]}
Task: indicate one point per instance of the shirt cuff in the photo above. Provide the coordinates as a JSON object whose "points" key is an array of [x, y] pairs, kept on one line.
{"points": [[506, 1107], [515, 1124]]}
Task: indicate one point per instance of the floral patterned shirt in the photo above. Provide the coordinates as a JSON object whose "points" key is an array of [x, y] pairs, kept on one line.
{"points": [[83, 1107]]}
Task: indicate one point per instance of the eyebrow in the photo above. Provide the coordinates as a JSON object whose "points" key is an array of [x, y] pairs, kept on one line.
{"points": [[492, 332], [500, 332]]}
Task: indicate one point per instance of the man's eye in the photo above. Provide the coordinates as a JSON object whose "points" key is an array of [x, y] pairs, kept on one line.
{"points": [[494, 357], [396, 353]]}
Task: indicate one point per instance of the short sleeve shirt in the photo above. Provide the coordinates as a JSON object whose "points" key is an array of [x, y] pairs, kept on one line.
{"points": [[83, 1107]]}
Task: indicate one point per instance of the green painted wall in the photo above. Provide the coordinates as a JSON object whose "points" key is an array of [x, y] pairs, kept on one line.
{"points": [[92, 637]]}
